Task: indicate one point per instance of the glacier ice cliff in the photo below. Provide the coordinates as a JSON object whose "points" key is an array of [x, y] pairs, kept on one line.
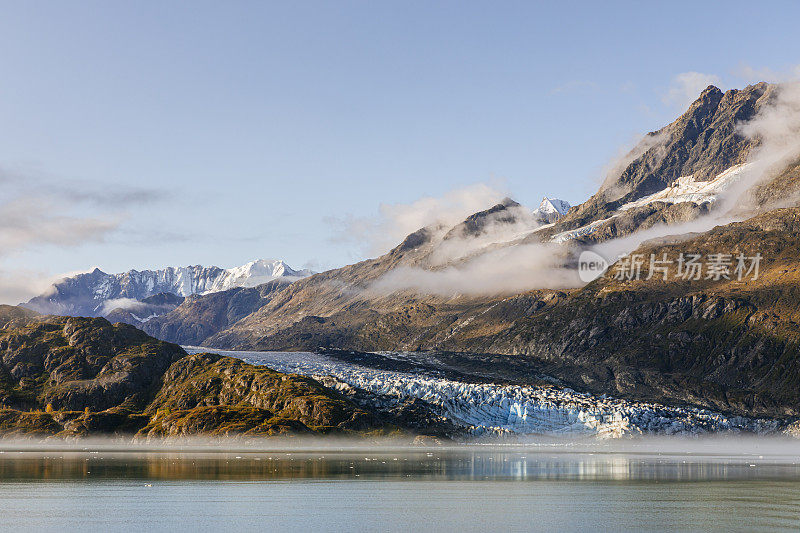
{"points": [[482, 409]]}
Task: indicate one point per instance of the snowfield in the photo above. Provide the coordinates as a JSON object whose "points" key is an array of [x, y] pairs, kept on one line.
{"points": [[683, 189], [686, 189], [506, 410]]}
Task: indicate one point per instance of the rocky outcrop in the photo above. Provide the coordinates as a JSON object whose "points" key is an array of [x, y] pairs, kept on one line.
{"points": [[202, 394], [74, 363], [72, 376]]}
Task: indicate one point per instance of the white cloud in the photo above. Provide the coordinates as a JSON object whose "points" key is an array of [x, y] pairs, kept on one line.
{"points": [[38, 212], [687, 86], [128, 304], [506, 270], [33, 221], [750, 74], [394, 222]]}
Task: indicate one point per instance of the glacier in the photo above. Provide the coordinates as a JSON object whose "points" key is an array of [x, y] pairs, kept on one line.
{"points": [[509, 411]]}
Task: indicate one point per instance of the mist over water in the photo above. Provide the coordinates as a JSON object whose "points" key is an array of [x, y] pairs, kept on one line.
{"points": [[281, 486]]}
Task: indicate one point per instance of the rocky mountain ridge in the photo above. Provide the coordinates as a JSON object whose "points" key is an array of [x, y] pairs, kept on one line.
{"points": [[98, 294], [703, 142], [722, 344], [586, 336]]}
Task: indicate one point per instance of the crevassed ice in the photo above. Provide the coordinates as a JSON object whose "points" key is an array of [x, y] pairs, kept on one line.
{"points": [[507, 409]]}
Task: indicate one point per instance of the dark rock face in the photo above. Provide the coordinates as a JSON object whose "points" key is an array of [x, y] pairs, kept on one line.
{"points": [[78, 376], [725, 344], [506, 212], [199, 317], [74, 363], [702, 142], [415, 240]]}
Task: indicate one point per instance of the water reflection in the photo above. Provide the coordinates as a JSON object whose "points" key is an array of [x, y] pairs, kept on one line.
{"points": [[423, 465]]}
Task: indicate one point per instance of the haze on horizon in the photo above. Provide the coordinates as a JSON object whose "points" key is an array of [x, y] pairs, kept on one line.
{"points": [[141, 136]]}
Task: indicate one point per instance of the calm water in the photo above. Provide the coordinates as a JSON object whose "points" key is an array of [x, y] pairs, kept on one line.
{"points": [[434, 490]]}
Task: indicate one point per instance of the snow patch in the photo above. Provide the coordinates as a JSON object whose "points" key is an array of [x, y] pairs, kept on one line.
{"points": [[255, 273], [687, 189], [683, 189]]}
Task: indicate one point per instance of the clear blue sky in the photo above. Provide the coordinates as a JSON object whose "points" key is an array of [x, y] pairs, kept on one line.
{"points": [[246, 126]]}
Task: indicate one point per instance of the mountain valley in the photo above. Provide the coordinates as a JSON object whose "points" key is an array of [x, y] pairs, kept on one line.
{"points": [[497, 296]]}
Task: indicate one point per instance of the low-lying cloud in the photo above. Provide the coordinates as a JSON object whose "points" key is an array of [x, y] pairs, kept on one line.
{"points": [[377, 234], [506, 270], [127, 304], [494, 262]]}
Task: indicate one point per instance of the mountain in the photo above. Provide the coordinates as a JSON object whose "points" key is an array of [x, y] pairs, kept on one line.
{"points": [[719, 344], [327, 308], [98, 294], [702, 143], [675, 175], [551, 210], [464, 295], [71, 376], [201, 316]]}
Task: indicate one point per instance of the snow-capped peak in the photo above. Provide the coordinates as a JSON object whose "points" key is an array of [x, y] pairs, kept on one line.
{"points": [[553, 205], [551, 209], [255, 273], [86, 293]]}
